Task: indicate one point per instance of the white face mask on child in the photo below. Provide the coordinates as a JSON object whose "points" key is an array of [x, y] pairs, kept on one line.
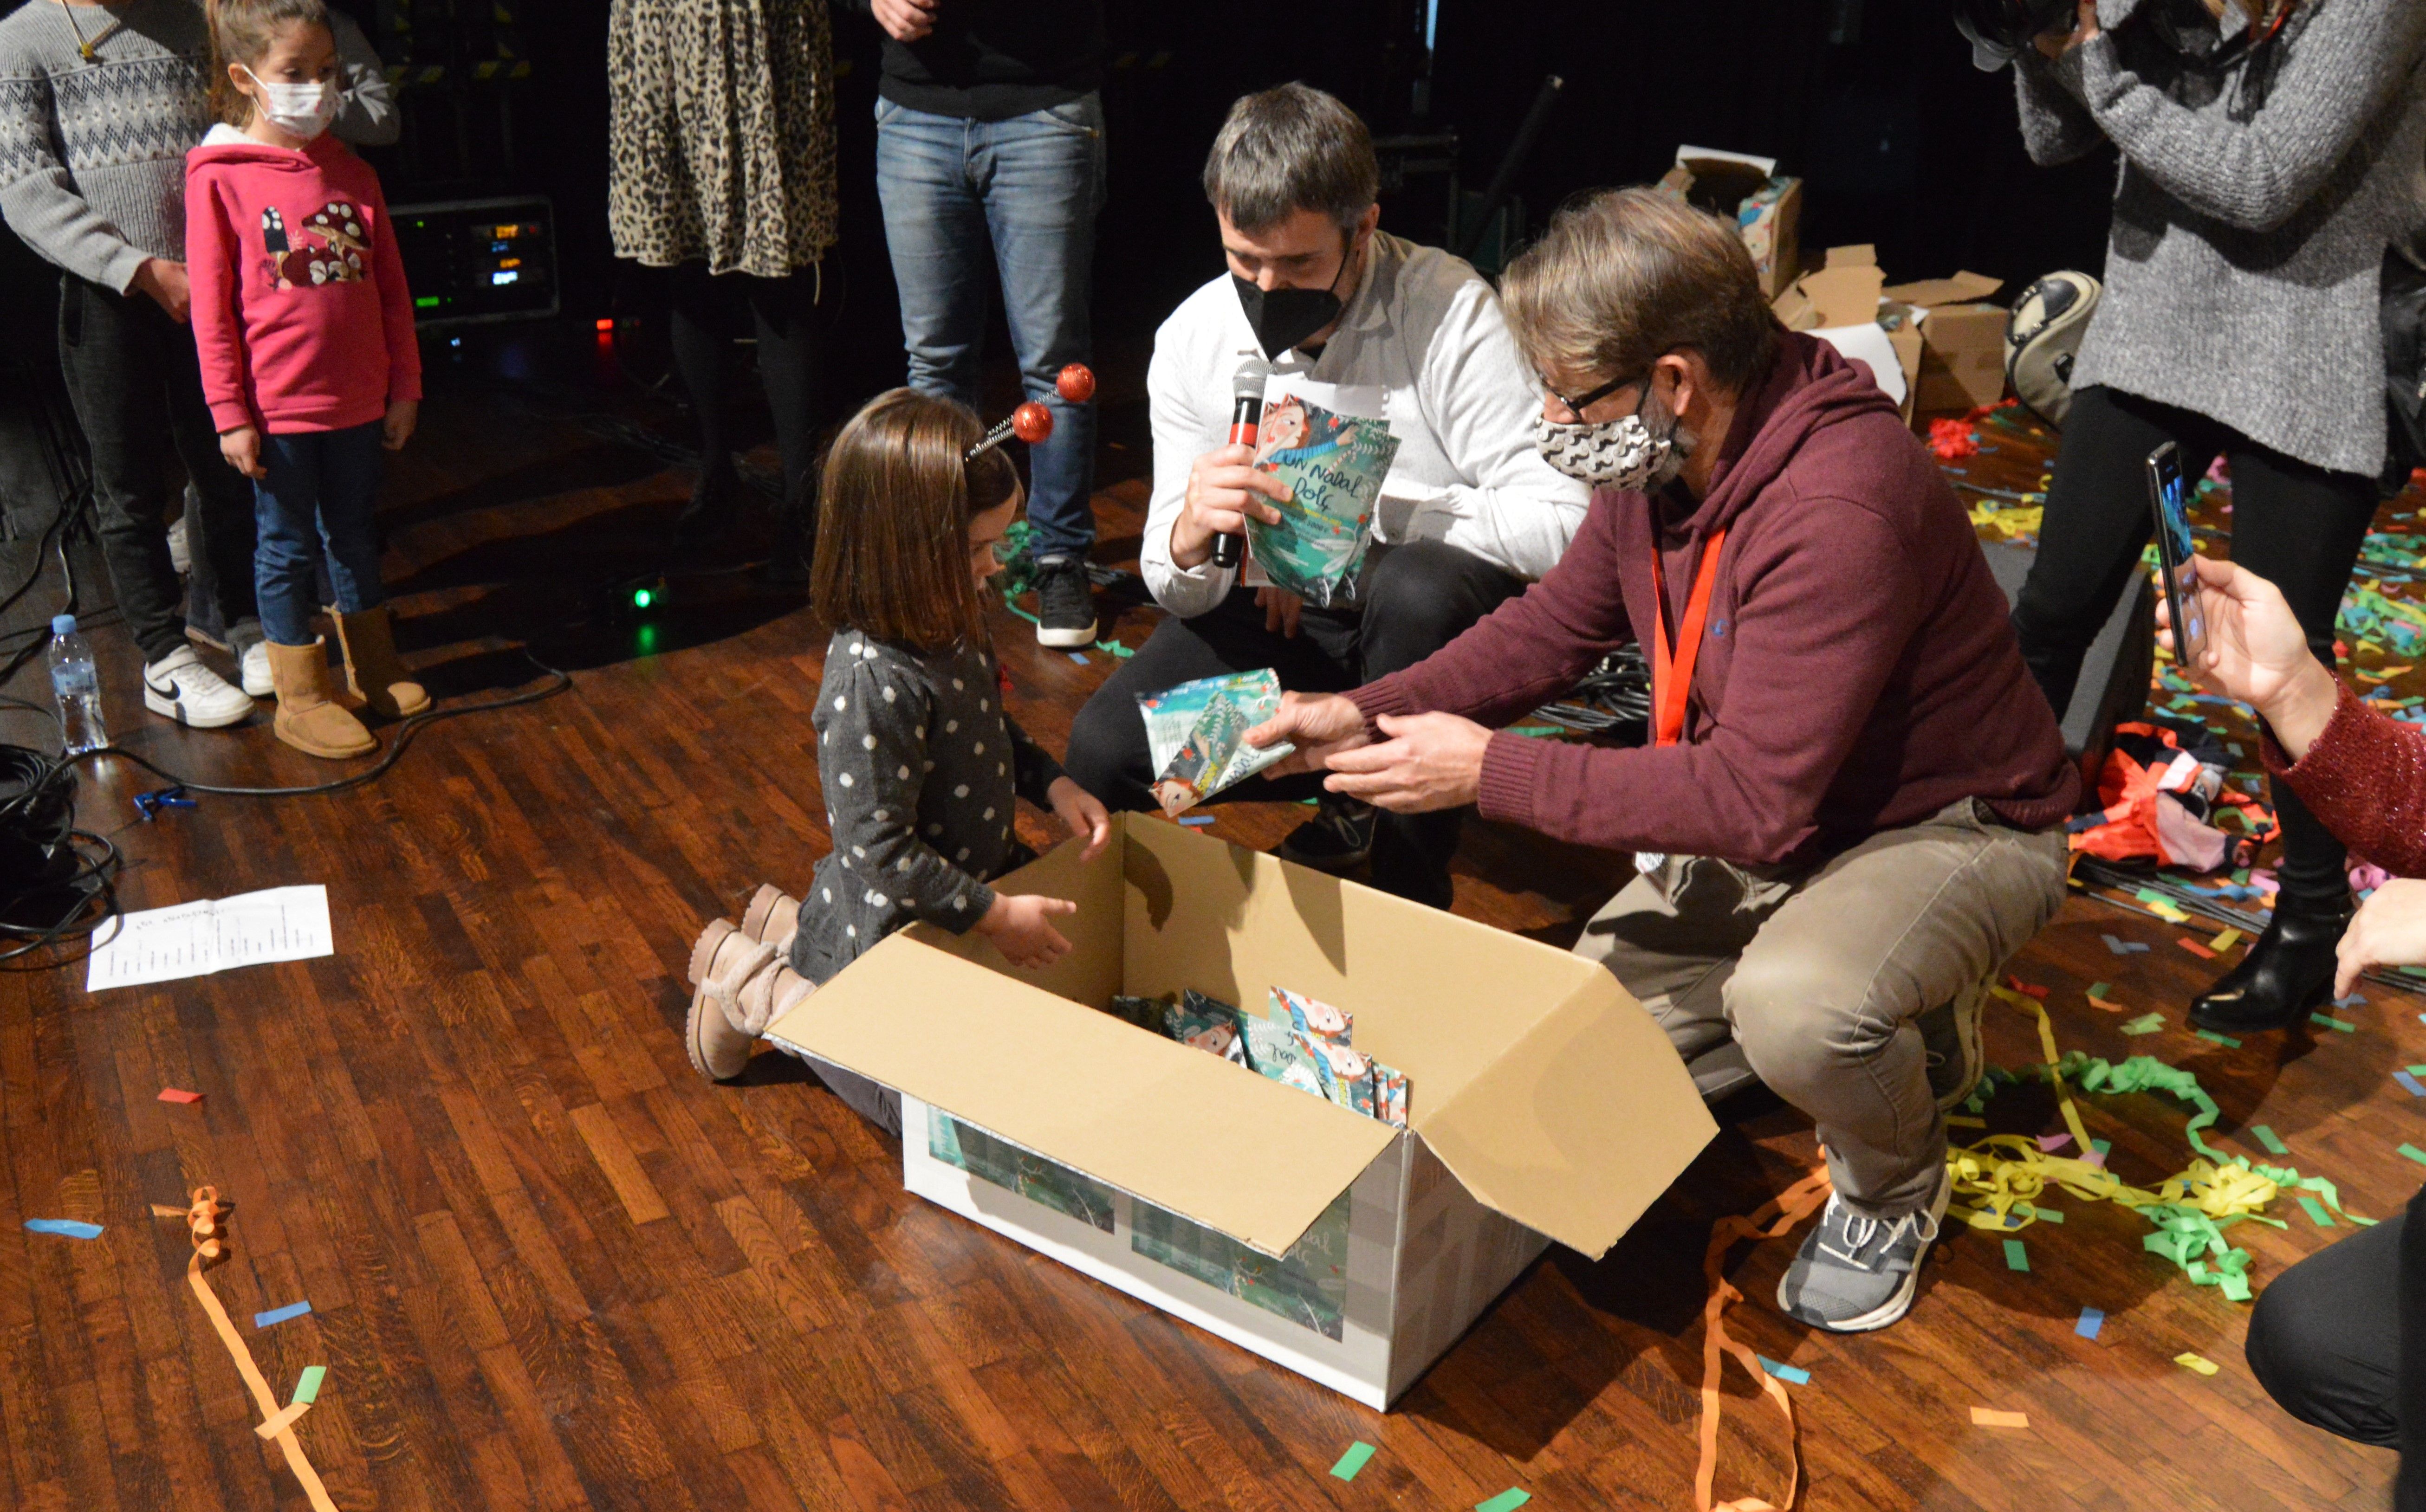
{"points": [[305, 109]]}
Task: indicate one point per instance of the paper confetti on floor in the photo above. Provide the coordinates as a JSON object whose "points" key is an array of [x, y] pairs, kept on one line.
{"points": [[293, 1310], [2091, 1321], [1507, 1501], [2146, 1023], [2016, 1258], [1791, 1375], [1989, 1418], [2267, 1136], [1352, 1461], [173, 1094], [2197, 1362], [64, 1228]]}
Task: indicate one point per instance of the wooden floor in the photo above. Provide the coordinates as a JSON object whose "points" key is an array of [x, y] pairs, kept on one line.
{"points": [[550, 1267]]}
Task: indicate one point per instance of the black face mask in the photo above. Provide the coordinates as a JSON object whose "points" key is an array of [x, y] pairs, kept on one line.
{"points": [[1281, 319]]}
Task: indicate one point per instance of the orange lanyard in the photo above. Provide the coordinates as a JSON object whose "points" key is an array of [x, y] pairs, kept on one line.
{"points": [[1670, 685]]}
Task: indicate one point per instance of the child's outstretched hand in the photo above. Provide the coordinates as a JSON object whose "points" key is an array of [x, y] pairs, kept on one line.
{"points": [[242, 449], [1083, 812], [402, 415], [1021, 926]]}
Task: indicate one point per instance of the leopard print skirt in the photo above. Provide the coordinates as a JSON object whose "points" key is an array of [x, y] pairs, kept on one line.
{"points": [[720, 133]]}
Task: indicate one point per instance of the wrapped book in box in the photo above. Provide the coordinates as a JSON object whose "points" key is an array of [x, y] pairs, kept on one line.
{"points": [[1540, 1102]]}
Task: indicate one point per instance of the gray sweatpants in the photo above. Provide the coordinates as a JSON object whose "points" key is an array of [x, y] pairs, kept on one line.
{"points": [[1811, 980]]}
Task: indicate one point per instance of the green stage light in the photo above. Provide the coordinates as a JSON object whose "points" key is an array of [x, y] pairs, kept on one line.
{"points": [[642, 598]]}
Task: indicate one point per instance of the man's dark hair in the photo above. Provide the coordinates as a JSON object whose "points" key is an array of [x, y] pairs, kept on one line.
{"points": [[1289, 148]]}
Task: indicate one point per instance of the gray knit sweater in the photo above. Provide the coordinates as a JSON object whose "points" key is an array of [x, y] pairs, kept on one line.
{"points": [[92, 152], [2251, 217]]}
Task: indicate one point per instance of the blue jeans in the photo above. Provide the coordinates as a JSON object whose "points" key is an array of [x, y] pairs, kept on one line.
{"points": [[1030, 187], [321, 482]]}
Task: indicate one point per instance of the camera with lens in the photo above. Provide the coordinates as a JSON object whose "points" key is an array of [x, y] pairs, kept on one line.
{"points": [[2001, 30]]}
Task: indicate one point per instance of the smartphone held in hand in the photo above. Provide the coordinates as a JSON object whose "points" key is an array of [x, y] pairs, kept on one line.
{"points": [[2175, 548]]}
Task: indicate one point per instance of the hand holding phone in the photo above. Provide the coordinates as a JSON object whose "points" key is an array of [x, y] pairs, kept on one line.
{"points": [[2175, 552]]}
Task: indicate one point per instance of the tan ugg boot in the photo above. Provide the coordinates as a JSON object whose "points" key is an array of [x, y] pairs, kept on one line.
{"points": [[373, 675], [721, 962], [771, 916], [307, 719]]}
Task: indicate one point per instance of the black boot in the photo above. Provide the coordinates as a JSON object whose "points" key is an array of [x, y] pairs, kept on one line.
{"points": [[796, 542], [715, 505], [2287, 973]]}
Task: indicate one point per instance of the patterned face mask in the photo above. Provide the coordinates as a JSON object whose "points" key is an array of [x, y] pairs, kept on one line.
{"points": [[1613, 454]]}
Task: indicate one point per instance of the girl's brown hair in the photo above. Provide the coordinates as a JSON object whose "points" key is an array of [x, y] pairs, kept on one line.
{"points": [[893, 522], [243, 31]]}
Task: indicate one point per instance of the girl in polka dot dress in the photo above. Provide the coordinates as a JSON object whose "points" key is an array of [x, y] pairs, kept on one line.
{"points": [[920, 764]]}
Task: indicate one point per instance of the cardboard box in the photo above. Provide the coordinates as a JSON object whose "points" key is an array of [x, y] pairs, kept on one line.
{"points": [[1766, 207], [1545, 1104], [1962, 341], [1842, 302]]}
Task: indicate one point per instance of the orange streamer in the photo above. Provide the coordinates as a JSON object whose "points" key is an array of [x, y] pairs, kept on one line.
{"points": [[1779, 1214], [205, 1224]]}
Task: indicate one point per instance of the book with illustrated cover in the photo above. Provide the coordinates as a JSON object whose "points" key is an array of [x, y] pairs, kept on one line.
{"points": [[1334, 459], [1196, 733]]}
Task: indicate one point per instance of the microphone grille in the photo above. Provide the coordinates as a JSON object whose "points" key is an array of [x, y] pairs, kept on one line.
{"points": [[1249, 378]]}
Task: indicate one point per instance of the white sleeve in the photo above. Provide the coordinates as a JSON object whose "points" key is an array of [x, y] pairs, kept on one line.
{"points": [[1181, 434], [1514, 510]]}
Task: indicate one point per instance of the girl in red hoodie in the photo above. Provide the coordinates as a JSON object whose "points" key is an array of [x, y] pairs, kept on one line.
{"points": [[309, 363]]}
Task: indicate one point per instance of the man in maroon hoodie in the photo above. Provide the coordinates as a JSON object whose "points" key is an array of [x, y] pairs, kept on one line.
{"points": [[1852, 813]]}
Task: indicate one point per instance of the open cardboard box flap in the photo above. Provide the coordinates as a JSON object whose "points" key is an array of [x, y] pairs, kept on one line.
{"points": [[1549, 1094], [1962, 288], [1182, 1129]]}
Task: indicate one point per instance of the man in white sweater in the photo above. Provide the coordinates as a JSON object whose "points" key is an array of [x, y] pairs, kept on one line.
{"points": [[1468, 515]]}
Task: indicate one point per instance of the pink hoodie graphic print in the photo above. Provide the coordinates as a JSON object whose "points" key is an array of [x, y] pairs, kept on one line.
{"points": [[301, 316]]}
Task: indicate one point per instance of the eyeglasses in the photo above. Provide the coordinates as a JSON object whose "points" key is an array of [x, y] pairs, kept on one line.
{"points": [[1577, 407]]}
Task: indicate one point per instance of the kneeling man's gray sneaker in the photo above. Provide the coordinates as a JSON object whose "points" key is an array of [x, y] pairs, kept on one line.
{"points": [[1857, 1273]]}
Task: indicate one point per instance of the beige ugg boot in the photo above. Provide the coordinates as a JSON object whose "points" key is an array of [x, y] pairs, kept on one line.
{"points": [[722, 961], [307, 719], [773, 913], [373, 675]]}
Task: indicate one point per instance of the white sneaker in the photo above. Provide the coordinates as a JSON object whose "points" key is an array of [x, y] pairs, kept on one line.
{"points": [[253, 664], [179, 686]]}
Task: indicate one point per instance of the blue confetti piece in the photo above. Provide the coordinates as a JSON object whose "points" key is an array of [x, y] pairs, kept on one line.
{"points": [[2353, 1001], [1790, 1374], [65, 1227], [2410, 1084], [2123, 948], [293, 1310], [2091, 1321], [1197, 821], [1079, 656]]}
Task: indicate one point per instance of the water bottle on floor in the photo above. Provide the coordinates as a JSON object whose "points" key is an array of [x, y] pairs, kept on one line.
{"points": [[76, 683]]}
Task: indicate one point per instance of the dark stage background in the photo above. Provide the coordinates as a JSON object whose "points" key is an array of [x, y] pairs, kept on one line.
{"points": [[1873, 103]]}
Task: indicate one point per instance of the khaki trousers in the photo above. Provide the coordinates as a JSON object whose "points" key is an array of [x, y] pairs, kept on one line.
{"points": [[1811, 980]]}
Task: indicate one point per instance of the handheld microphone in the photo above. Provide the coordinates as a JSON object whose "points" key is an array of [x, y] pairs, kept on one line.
{"points": [[1246, 414]]}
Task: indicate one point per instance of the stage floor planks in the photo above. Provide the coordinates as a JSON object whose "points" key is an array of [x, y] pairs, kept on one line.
{"points": [[551, 1268]]}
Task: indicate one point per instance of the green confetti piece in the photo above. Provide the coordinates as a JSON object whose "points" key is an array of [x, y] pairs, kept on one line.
{"points": [[2099, 990], [2046, 1214], [1352, 1461], [2225, 1040], [1114, 649], [308, 1388], [2273, 1142], [2016, 1258], [2316, 1212], [2417, 1071], [2146, 1023], [1535, 729], [2415, 1153], [1507, 1501], [2331, 1022]]}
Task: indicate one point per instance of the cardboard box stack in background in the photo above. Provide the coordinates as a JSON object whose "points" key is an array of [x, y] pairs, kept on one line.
{"points": [[1931, 345], [1766, 207], [1962, 341], [1544, 1103]]}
